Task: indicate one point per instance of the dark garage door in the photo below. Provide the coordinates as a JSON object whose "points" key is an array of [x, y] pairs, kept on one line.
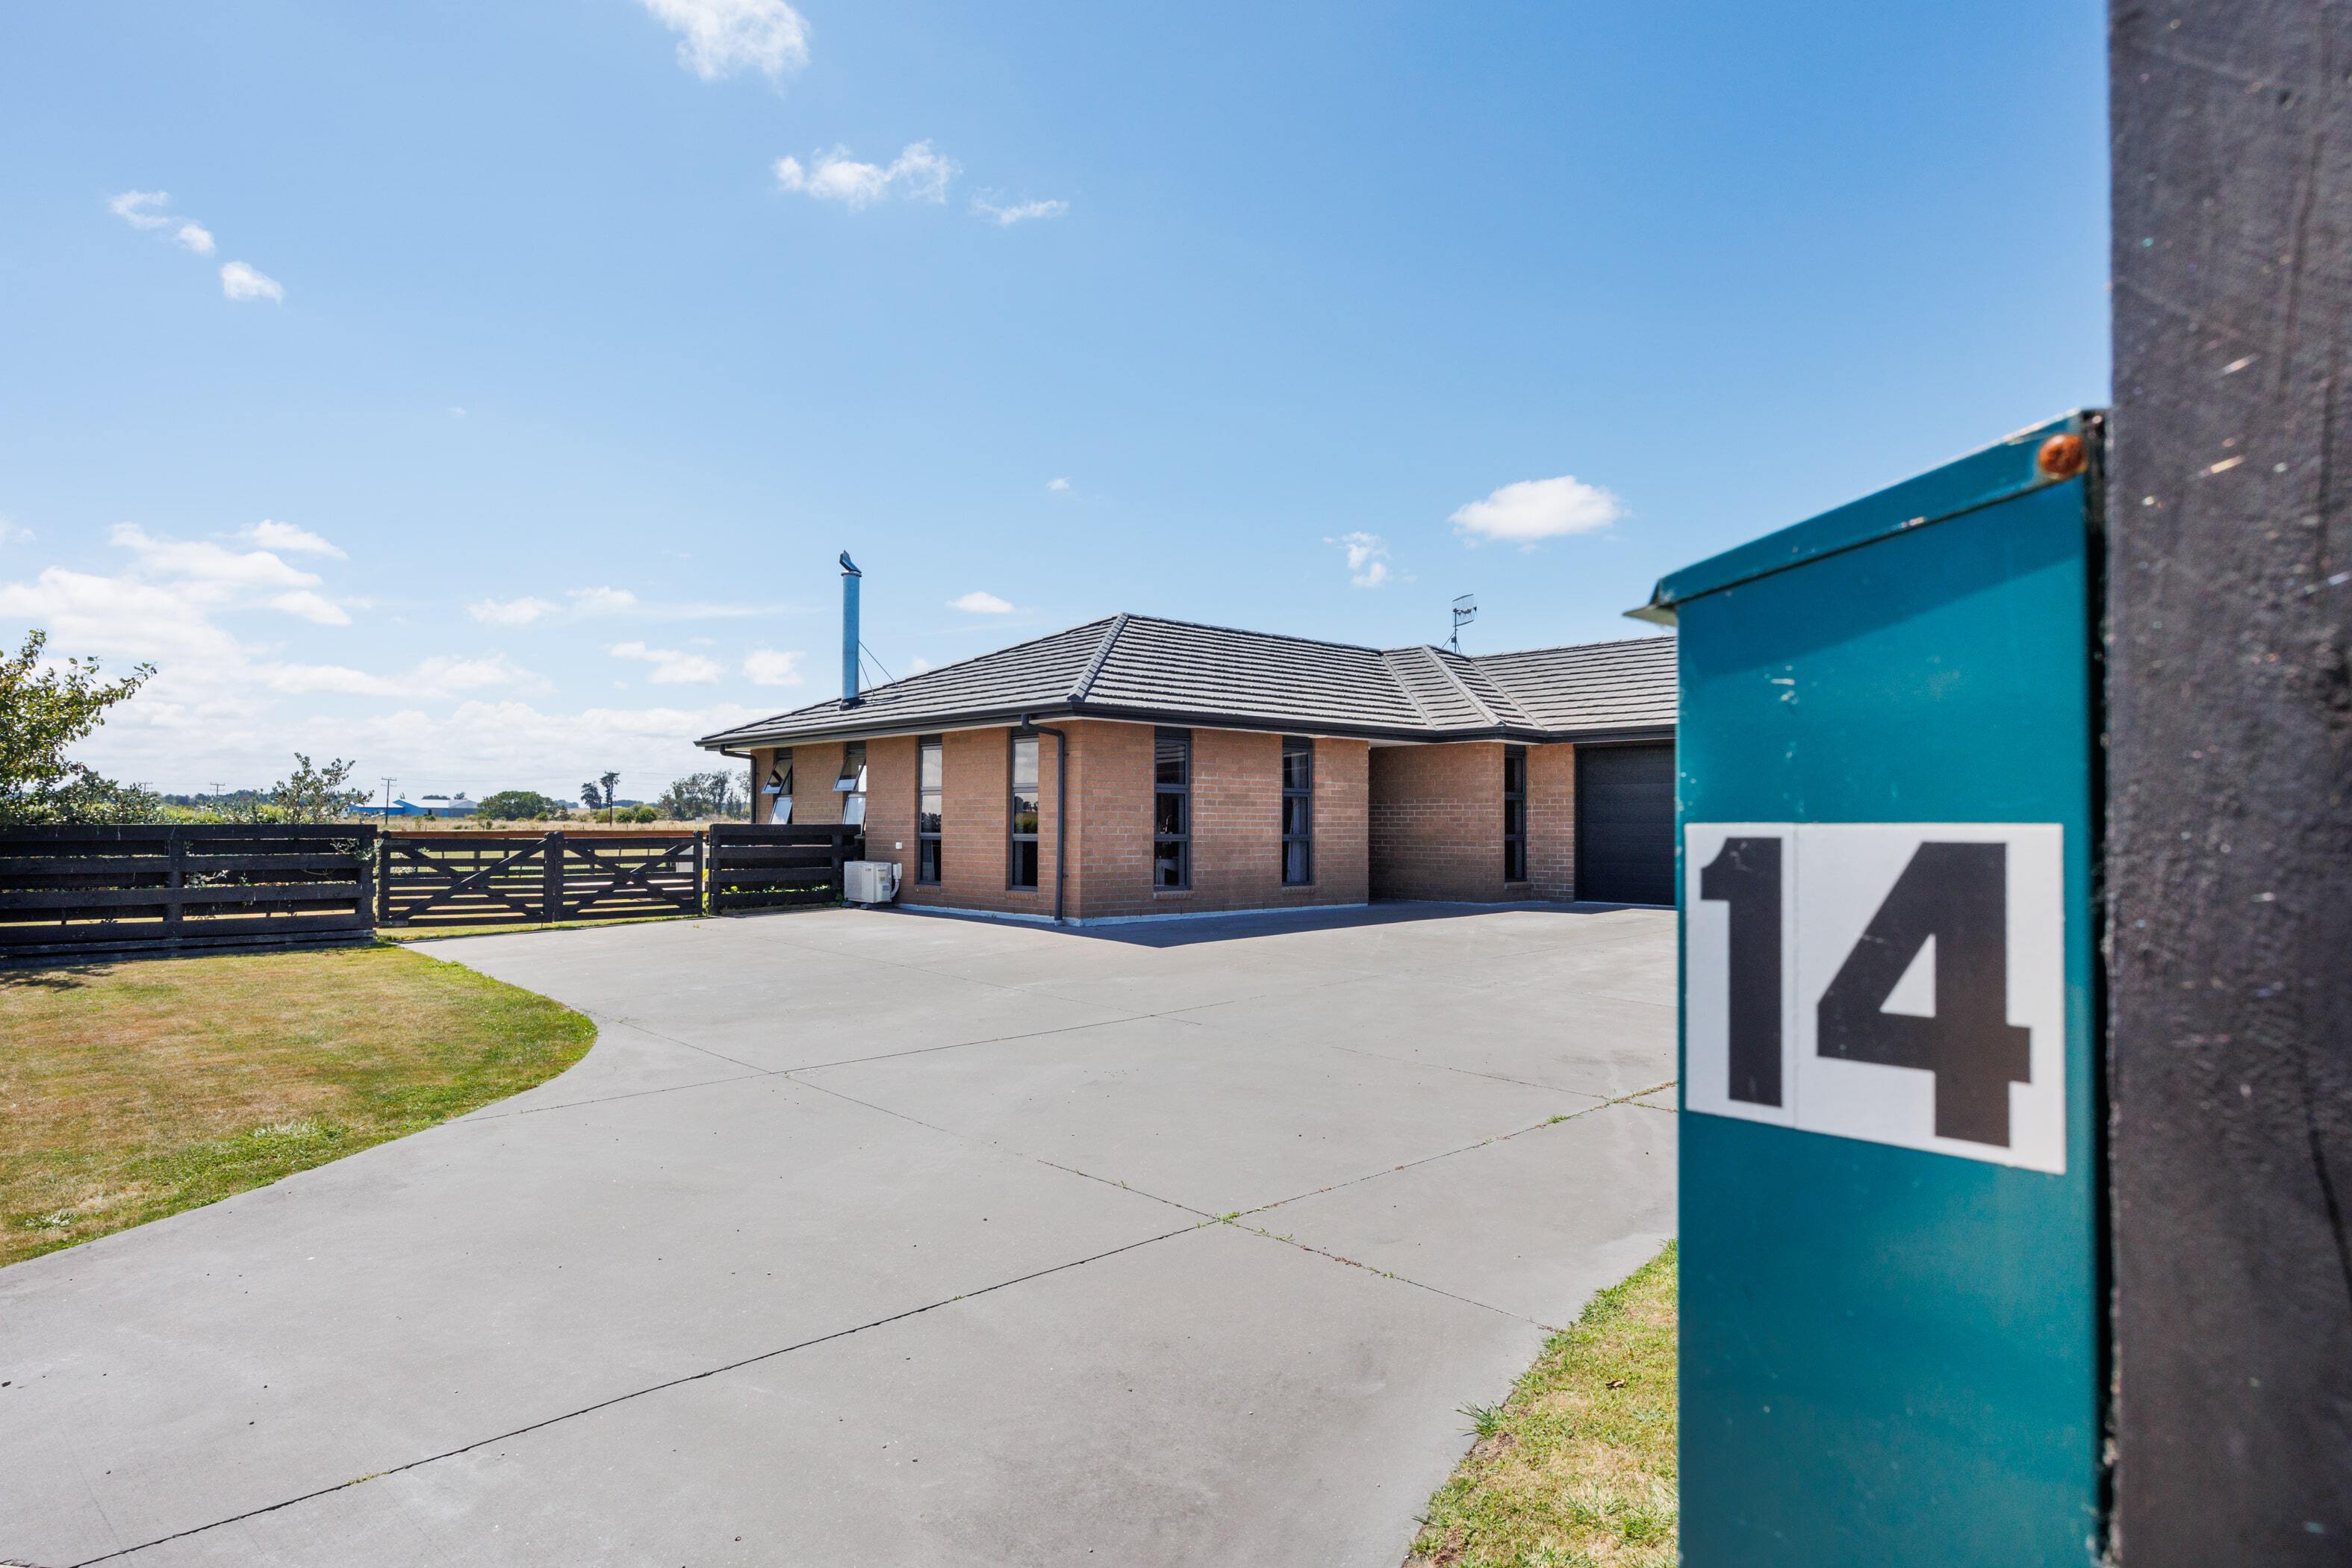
{"points": [[1625, 824]]}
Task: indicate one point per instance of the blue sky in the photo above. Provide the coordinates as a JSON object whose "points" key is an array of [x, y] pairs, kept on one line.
{"points": [[485, 398]]}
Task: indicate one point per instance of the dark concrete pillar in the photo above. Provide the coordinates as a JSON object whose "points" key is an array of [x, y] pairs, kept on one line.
{"points": [[2230, 829]]}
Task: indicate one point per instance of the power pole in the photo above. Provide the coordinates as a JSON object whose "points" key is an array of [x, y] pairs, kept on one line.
{"points": [[387, 798]]}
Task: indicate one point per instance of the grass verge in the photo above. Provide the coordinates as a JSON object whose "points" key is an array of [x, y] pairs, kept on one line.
{"points": [[1575, 1469], [135, 1091]]}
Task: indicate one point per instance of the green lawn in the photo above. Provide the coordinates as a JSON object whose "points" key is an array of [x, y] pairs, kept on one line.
{"points": [[1575, 1469], [133, 1090]]}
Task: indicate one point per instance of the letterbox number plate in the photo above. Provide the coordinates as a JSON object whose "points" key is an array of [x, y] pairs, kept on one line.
{"points": [[1900, 983]]}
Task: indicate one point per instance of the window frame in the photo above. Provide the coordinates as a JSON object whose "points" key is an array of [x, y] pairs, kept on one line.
{"points": [[1183, 790], [1301, 746], [850, 783], [930, 855], [779, 766], [1515, 844], [1013, 838]]}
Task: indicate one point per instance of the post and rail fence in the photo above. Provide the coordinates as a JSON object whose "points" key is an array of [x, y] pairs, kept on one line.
{"points": [[158, 889], [144, 889]]}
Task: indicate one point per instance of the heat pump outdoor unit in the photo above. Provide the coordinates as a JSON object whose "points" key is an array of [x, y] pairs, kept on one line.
{"points": [[870, 881]]}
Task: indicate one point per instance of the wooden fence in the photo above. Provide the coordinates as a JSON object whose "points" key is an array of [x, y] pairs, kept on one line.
{"points": [[770, 867], [467, 878], [98, 892]]}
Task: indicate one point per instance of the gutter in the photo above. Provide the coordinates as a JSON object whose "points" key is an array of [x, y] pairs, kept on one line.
{"points": [[985, 719], [1061, 808]]}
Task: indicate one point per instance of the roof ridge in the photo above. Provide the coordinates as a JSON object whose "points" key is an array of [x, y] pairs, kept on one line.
{"points": [[1101, 657], [1411, 702], [1570, 646], [1518, 712], [1247, 632], [1437, 658]]}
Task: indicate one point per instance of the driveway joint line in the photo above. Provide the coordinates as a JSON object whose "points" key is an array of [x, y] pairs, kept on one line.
{"points": [[1472, 1072], [1386, 1273], [1428, 1159], [633, 1393]]}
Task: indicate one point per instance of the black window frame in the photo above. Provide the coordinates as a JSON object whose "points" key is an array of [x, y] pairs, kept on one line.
{"points": [[1183, 790], [928, 853], [1013, 838], [1303, 748], [855, 779], [1514, 839], [780, 768]]}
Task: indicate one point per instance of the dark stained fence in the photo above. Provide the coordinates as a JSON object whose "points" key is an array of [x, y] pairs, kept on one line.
{"points": [[776, 867], [467, 878], [134, 891]]}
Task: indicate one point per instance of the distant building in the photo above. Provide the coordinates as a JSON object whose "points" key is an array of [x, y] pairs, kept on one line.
{"points": [[423, 806]]}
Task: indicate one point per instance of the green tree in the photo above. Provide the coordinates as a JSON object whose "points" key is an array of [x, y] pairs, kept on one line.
{"points": [[44, 709], [699, 796], [316, 794], [518, 805], [599, 795]]}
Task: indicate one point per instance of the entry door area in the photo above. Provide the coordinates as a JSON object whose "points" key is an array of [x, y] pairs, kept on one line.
{"points": [[1625, 824]]}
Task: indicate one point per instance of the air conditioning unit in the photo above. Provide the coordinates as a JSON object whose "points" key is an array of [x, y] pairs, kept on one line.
{"points": [[870, 881]]}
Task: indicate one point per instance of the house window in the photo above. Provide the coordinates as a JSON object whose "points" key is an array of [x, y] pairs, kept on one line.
{"points": [[1172, 808], [1021, 870], [1297, 810], [930, 790], [1515, 813], [778, 788], [852, 784]]}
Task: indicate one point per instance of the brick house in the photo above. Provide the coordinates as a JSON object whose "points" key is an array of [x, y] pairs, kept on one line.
{"points": [[1210, 769]]}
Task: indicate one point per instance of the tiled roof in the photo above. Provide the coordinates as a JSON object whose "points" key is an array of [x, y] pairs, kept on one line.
{"points": [[1594, 686], [1145, 667]]}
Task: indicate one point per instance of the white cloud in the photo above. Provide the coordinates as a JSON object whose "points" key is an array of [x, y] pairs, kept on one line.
{"points": [[10, 533], [239, 281], [917, 665], [436, 676], [1005, 216], [1058, 486], [1536, 509], [314, 607], [1367, 558], [509, 612], [600, 601], [979, 604], [212, 572], [917, 173], [671, 666], [719, 37], [195, 236], [456, 411], [136, 208], [274, 535], [766, 667]]}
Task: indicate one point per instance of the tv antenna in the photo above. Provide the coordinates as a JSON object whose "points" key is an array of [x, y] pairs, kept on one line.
{"points": [[1465, 610]]}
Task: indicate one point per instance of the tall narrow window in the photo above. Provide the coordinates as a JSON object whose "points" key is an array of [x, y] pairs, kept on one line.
{"points": [[1515, 813], [1172, 808], [778, 789], [1023, 870], [930, 794], [852, 784], [1297, 810]]}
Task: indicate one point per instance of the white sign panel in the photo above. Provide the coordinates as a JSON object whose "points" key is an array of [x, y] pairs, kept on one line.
{"points": [[1901, 983]]}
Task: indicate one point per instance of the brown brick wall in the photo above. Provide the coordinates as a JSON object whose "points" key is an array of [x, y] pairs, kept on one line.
{"points": [[975, 858], [1437, 821], [1237, 824], [1551, 820]]}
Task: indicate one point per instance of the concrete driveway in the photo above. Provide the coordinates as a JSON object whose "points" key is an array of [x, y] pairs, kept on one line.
{"points": [[868, 1237]]}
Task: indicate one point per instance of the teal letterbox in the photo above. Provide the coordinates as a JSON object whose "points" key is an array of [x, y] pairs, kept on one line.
{"points": [[1892, 1296]]}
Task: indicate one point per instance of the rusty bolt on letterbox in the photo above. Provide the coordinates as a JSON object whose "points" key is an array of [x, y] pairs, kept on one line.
{"points": [[2062, 457]]}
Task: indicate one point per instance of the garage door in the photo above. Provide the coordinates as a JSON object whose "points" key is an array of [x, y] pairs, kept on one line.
{"points": [[1625, 824]]}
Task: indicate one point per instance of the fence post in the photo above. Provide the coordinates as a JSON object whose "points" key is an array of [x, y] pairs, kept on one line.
{"points": [[367, 875], [840, 858], [551, 879], [701, 896], [175, 882], [384, 877]]}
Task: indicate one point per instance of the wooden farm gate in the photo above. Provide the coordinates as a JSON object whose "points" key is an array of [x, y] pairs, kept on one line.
{"points": [[757, 867], [152, 888], [467, 878]]}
